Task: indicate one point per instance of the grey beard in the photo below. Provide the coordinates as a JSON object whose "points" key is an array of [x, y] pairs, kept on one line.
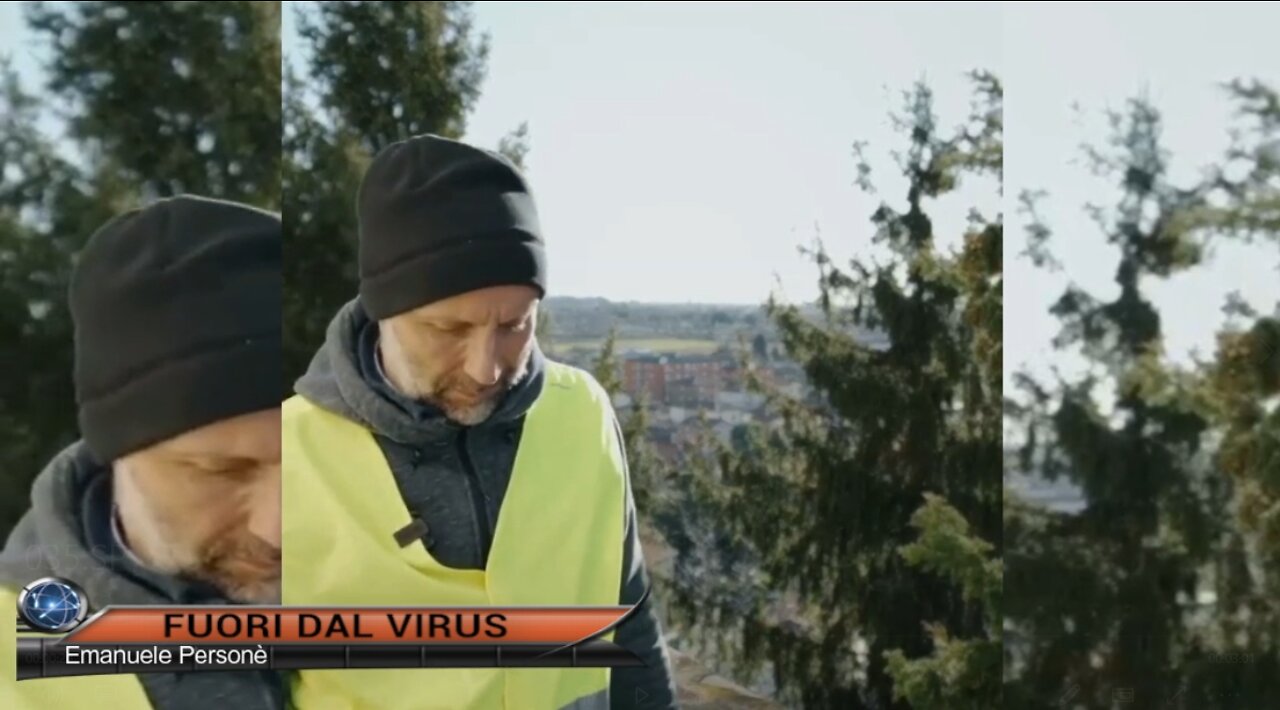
{"points": [[477, 413]]}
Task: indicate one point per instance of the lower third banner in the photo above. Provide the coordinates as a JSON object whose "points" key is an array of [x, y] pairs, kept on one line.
{"points": [[55, 658]]}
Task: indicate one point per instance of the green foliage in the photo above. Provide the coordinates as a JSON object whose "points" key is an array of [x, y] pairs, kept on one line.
{"points": [[856, 608], [606, 371], [1244, 379], [515, 146], [644, 467], [164, 98], [178, 96], [378, 72], [319, 178], [391, 70], [959, 674], [1107, 603]]}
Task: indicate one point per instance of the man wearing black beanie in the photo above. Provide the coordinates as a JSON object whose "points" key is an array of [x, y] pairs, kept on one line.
{"points": [[172, 496], [436, 456]]}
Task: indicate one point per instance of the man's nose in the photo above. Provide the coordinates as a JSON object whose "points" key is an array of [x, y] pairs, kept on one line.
{"points": [[482, 359]]}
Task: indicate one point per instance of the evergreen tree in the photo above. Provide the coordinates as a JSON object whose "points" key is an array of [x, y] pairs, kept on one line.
{"points": [[607, 365], [391, 70], [645, 468], [760, 348], [1150, 595], [177, 97], [163, 98], [45, 213], [866, 521], [1245, 377]]}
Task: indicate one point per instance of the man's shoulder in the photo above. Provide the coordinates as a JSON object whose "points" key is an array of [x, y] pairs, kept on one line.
{"points": [[71, 465], [300, 408], [580, 391], [566, 377], [295, 406]]}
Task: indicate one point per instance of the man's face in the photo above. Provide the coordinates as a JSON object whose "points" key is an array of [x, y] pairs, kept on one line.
{"points": [[463, 353], [206, 505]]}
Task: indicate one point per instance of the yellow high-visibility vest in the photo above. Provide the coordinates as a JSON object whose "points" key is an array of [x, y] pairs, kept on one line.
{"points": [[558, 542], [73, 693]]}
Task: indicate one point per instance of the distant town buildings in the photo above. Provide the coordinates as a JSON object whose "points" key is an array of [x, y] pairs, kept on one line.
{"points": [[687, 396], [683, 381], [684, 393], [646, 377]]}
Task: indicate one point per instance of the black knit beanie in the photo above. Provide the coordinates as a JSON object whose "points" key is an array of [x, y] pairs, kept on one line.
{"points": [[177, 321], [439, 218]]}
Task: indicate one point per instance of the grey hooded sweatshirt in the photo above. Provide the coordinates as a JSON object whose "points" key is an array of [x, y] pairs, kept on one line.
{"points": [[67, 533], [454, 478]]}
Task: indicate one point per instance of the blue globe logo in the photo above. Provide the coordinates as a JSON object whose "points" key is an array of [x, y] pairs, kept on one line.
{"points": [[52, 604]]}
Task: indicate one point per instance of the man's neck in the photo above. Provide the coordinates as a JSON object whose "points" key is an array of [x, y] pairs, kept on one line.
{"points": [[122, 539], [381, 367]]}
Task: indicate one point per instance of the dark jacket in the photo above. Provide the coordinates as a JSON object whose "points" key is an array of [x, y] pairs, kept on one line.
{"points": [[67, 533], [454, 478]]}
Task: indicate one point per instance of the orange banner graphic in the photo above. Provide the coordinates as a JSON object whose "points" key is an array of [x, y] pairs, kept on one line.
{"points": [[240, 624]]}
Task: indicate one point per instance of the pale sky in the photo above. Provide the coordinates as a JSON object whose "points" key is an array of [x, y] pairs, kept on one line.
{"points": [[1097, 56], [682, 152]]}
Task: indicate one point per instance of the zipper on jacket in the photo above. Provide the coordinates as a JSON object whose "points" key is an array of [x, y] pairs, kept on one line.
{"points": [[477, 497]]}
